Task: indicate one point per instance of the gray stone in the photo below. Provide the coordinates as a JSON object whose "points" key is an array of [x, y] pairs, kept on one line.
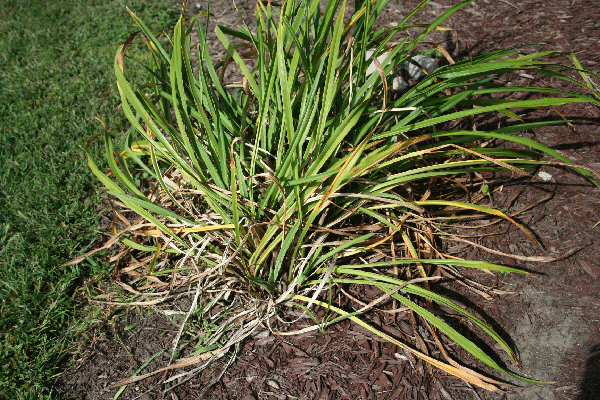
{"points": [[398, 83]]}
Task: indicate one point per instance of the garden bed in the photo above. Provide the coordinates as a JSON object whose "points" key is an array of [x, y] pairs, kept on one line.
{"points": [[552, 318]]}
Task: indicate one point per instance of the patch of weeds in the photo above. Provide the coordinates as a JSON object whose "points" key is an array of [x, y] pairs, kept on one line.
{"points": [[311, 177]]}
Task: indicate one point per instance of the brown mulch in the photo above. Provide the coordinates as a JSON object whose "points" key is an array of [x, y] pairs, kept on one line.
{"points": [[552, 317]]}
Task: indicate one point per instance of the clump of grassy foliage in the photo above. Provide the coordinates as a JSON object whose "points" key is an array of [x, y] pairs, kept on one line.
{"points": [[54, 78], [309, 176]]}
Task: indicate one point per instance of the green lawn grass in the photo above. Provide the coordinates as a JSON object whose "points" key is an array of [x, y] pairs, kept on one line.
{"points": [[56, 75]]}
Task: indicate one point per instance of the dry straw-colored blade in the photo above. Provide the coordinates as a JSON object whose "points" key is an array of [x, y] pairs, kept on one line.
{"points": [[195, 229]]}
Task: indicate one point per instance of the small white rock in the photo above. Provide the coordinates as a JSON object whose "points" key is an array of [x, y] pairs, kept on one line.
{"points": [[545, 176], [398, 84], [430, 64], [372, 69]]}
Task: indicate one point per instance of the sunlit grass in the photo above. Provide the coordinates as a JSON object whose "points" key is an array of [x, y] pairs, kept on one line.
{"points": [[54, 79]]}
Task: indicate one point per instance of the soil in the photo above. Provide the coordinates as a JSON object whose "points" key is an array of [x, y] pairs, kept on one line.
{"points": [[552, 317]]}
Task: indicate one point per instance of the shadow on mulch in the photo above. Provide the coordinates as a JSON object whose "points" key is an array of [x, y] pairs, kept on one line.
{"points": [[590, 386]]}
